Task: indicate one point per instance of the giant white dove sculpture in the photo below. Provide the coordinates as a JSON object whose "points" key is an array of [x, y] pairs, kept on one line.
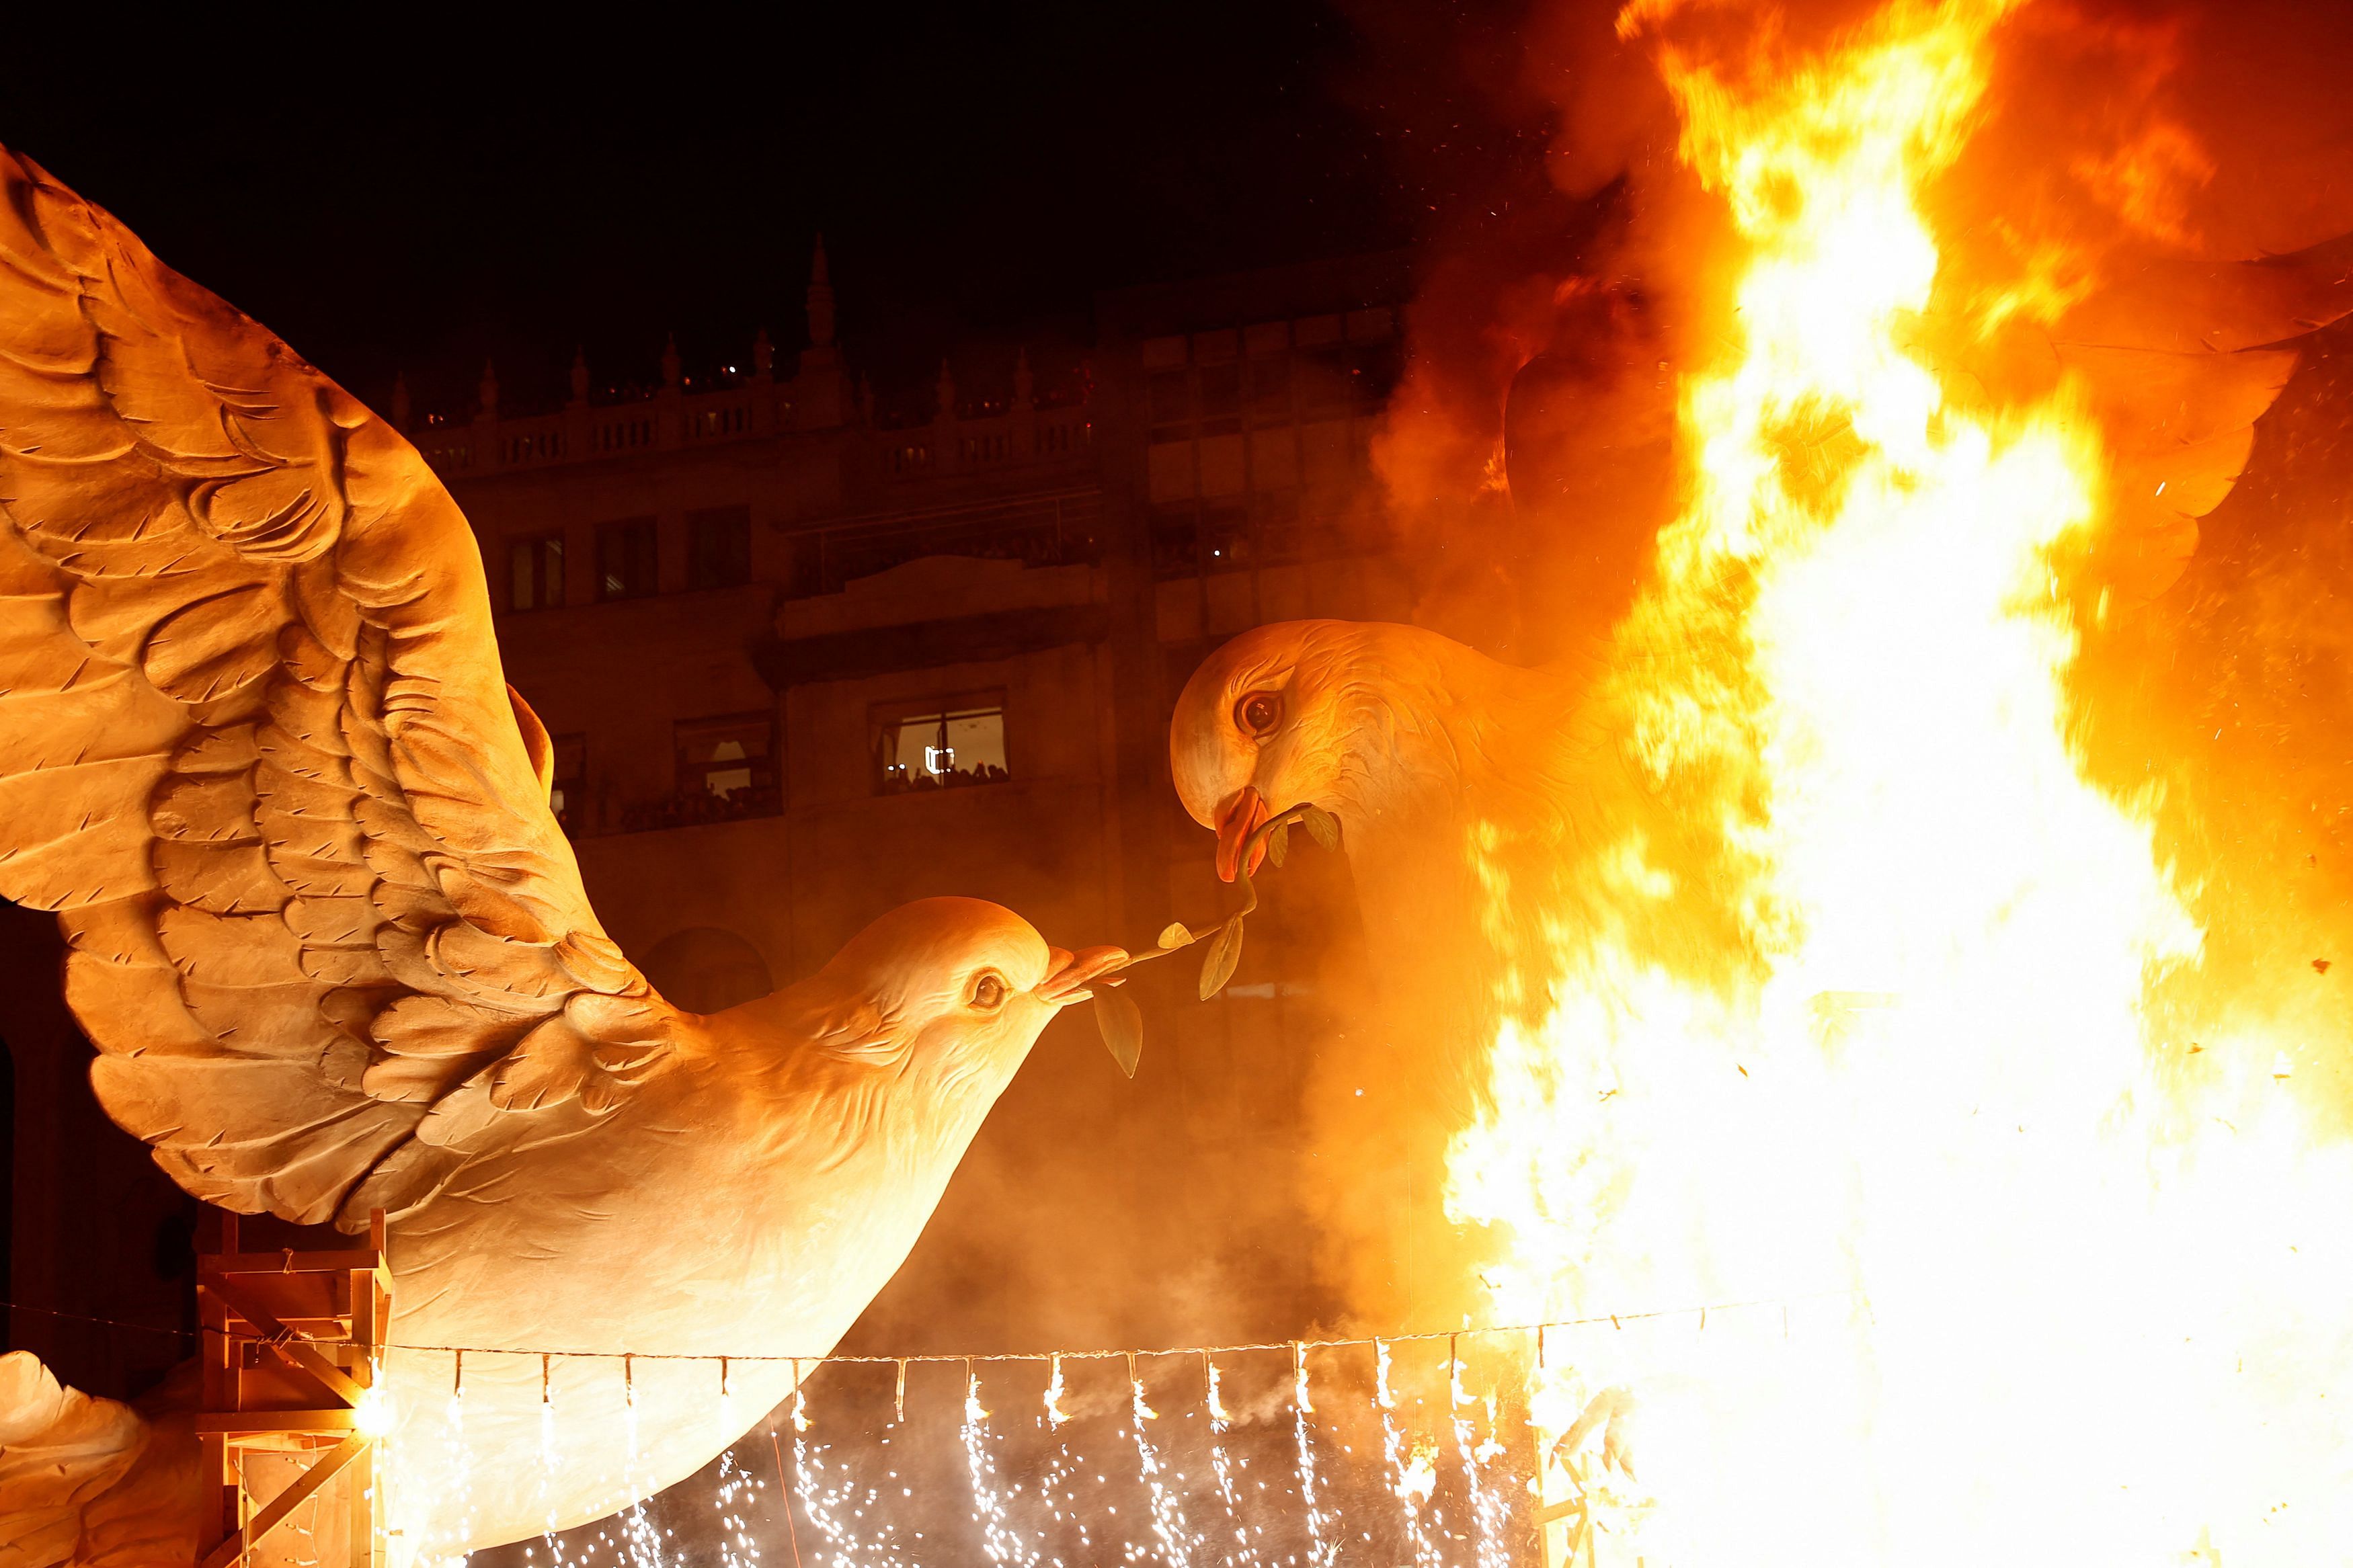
{"points": [[257, 752]]}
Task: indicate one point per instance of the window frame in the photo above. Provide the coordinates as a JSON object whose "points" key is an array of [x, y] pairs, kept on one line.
{"points": [[542, 545], [694, 778], [887, 718], [624, 531], [708, 522]]}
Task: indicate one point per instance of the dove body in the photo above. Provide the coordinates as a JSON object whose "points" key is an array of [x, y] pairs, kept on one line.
{"points": [[746, 1201]]}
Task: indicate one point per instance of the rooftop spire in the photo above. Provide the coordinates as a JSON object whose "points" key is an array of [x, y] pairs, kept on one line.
{"points": [[821, 300]]}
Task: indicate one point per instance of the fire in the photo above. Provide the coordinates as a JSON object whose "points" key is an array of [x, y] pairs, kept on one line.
{"points": [[1995, 1268]]}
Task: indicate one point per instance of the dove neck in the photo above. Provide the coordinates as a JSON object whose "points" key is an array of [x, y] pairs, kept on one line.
{"points": [[910, 1091], [1455, 733]]}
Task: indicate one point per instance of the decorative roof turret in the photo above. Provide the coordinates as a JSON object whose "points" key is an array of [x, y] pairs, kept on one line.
{"points": [[487, 391], [670, 365], [763, 356], [400, 400], [821, 391], [821, 300], [580, 377], [947, 394]]}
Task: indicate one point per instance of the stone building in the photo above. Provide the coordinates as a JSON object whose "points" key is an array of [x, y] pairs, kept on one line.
{"points": [[803, 663]]}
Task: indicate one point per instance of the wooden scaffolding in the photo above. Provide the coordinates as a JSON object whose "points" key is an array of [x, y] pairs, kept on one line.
{"points": [[292, 1343]]}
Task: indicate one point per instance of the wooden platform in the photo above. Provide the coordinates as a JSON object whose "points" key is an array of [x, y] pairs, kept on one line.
{"points": [[292, 1341]]}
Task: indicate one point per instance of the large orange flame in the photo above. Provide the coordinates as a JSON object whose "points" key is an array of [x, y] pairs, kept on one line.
{"points": [[1997, 1278]]}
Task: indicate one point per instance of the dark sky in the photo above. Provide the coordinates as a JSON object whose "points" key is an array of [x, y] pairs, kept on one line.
{"points": [[451, 188]]}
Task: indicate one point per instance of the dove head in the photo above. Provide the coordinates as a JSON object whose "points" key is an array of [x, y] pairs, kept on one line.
{"points": [[952, 992], [1315, 711]]}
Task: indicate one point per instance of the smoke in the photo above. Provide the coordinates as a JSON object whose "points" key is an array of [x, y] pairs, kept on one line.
{"points": [[1527, 457]]}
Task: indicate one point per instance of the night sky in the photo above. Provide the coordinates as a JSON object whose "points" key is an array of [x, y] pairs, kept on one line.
{"points": [[452, 189]]}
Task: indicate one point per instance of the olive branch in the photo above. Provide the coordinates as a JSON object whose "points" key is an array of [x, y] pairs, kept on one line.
{"points": [[1116, 1013]]}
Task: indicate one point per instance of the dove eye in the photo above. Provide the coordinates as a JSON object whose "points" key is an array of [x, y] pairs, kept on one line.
{"points": [[1259, 714], [989, 992]]}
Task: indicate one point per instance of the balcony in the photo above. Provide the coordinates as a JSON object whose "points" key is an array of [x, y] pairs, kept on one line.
{"points": [[663, 423], [1055, 527]]}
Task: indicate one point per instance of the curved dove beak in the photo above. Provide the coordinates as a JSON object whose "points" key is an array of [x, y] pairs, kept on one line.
{"points": [[1066, 982], [1241, 819]]}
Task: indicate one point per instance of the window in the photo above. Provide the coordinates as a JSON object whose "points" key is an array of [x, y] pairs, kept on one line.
{"points": [[719, 547], [568, 796], [940, 744], [729, 759], [628, 563], [535, 573], [1270, 389], [1221, 398], [1172, 403]]}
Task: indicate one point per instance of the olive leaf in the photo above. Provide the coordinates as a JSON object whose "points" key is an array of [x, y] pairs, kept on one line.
{"points": [[1225, 952], [1121, 1022], [1174, 934], [1278, 844], [1321, 826]]}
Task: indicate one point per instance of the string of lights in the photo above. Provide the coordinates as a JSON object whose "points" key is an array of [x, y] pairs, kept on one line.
{"points": [[1365, 1341], [1361, 1341]]}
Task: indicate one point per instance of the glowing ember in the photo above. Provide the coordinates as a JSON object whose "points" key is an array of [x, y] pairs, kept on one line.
{"points": [[2029, 1296]]}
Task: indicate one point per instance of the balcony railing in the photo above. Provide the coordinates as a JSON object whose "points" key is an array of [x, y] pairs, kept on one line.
{"points": [[1057, 528], [672, 420], [693, 808]]}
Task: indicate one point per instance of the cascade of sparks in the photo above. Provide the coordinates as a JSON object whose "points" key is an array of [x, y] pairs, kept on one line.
{"points": [[1413, 1475], [2067, 1305], [1226, 1470], [998, 1538], [1477, 1456], [1322, 1551], [729, 1502], [1167, 1506], [862, 1509]]}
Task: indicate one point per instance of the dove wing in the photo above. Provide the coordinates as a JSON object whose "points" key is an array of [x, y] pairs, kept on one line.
{"points": [[257, 752], [2180, 357]]}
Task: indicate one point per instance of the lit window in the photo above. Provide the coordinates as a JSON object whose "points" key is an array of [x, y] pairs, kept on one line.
{"points": [[627, 565], [940, 746], [719, 547], [568, 796], [535, 573], [730, 758]]}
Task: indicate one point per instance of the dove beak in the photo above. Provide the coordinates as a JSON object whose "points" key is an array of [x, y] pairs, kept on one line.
{"points": [[1243, 816], [1070, 974]]}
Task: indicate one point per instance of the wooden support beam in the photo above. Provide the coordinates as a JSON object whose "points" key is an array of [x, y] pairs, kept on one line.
{"points": [[282, 1342], [329, 1464], [231, 1423]]}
